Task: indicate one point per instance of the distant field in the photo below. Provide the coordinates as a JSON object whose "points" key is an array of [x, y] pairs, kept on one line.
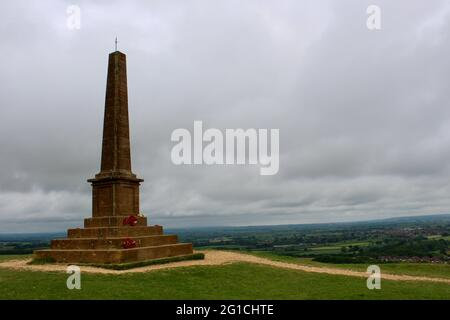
{"points": [[233, 281], [438, 237], [413, 269], [321, 249], [326, 248], [339, 245]]}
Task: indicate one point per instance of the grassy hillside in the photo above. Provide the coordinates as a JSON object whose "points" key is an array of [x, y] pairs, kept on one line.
{"points": [[234, 281]]}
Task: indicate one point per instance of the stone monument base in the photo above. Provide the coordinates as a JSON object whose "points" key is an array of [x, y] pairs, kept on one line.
{"points": [[107, 240]]}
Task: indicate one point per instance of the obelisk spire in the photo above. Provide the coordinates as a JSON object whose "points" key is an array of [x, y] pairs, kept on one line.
{"points": [[116, 158], [115, 189]]}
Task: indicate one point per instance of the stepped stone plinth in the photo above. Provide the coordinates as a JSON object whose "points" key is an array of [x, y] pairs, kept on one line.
{"points": [[116, 233]]}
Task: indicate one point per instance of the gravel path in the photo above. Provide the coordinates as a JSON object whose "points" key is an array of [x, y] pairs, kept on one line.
{"points": [[216, 257]]}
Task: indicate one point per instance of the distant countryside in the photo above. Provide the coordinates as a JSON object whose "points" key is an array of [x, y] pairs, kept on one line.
{"points": [[423, 239]]}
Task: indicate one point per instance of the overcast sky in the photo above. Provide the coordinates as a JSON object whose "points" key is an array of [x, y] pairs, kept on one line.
{"points": [[364, 116]]}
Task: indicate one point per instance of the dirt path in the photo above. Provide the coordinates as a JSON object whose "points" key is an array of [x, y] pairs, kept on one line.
{"points": [[216, 257]]}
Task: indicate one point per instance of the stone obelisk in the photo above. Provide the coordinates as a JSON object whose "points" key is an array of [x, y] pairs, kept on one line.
{"points": [[117, 232], [116, 188]]}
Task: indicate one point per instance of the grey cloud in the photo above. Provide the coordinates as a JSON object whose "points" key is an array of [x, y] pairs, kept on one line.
{"points": [[363, 116]]}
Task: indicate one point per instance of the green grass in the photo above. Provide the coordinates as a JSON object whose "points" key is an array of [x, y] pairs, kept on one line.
{"points": [[234, 281], [413, 269]]}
